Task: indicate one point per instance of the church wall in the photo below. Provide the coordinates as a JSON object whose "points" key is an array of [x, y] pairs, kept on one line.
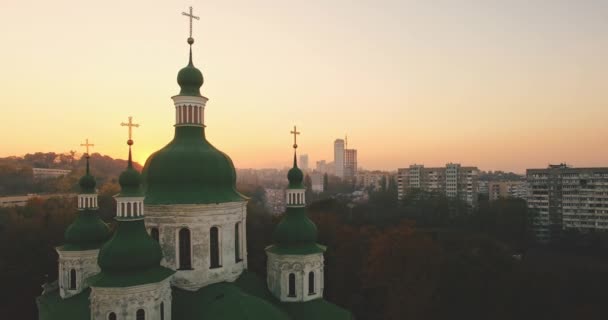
{"points": [[199, 219], [280, 266], [125, 302], [85, 265]]}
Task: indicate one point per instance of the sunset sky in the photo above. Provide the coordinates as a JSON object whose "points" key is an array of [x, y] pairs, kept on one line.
{"points": [[502, 85]]}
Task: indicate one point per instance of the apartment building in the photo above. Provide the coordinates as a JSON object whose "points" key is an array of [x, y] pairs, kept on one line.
{"points": [[562, 197], [454, 180]]}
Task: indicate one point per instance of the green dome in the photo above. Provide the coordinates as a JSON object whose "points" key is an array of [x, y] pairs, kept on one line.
{"points": [[87, 184], [189, 170], [295, 176], [295, 228], [190, 79], [130, 249], [87, 232], [225, 301], [130, 182]]}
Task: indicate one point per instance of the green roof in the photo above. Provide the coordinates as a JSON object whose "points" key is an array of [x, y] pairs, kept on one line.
{"points": [[130, 249], [318, 309], [87, 182], [245, 299], [295, 175], [295, 233], [52, 307], [130, 180], [223, 301], [87, 232], [190, 79], [189, 170]]}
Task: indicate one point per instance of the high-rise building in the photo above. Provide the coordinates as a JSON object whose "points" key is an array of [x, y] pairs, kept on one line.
{"points": [[304, 162], [339, 158], [322, 166], [562, 198], [317, 181], [453, 180], [350, 163]]}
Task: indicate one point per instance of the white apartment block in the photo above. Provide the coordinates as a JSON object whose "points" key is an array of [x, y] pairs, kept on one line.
{"points": [[454, 180], [45, 173], [562, 198]]}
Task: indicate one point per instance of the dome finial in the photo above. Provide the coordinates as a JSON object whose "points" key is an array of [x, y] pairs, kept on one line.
{"points": [[295, 145], [86, 155], [131, 125], [190, 39]]}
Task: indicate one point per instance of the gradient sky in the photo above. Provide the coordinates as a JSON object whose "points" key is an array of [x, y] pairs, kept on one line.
{"points": [[503, 85]]}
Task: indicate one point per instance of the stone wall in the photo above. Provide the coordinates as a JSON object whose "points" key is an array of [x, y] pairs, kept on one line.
{"points": [[199, 219]]}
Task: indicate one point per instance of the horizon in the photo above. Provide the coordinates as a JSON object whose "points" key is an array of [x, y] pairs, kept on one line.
{"points": [[500, 86]]}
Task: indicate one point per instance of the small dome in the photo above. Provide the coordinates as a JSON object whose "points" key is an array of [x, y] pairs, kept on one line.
{"points": [[295, 175], [88, 231], [87, 184], [130, 182], [130, 249], [295, 229], [190, 80]]}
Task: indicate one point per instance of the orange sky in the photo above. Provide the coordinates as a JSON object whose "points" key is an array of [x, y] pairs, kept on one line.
{"points": [[502, 85]]}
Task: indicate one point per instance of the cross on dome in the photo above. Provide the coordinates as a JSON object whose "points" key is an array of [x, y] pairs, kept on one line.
{"points": [[295, 137], [87, 145], [191, 16], [131, 125]]}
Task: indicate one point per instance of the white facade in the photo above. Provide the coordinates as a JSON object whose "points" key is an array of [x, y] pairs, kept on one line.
{"points": [[295, 278], [339, 158], [44, 173], [74, 268], [208, 263], [153, 299], [562, 197], [317, 182], [303, 163]]}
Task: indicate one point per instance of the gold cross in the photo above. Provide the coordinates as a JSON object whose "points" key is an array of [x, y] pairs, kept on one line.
{"points": [[191, 16], [130, 124], [87, 145], [295, 136]]}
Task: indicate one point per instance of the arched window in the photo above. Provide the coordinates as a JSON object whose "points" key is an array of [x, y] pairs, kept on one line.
{"points": [[311, 283], [140, 315], [162, 311], [214, 248], [237, 242], [185, 258], [154, 233], [292, 285], [112, 316], [72, 279]]}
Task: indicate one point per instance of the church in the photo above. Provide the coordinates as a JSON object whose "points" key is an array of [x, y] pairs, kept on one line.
{"points": [[179, 249]]}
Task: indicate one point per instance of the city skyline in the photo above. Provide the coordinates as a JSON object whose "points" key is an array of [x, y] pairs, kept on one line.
{"points": [[496, 85]]}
